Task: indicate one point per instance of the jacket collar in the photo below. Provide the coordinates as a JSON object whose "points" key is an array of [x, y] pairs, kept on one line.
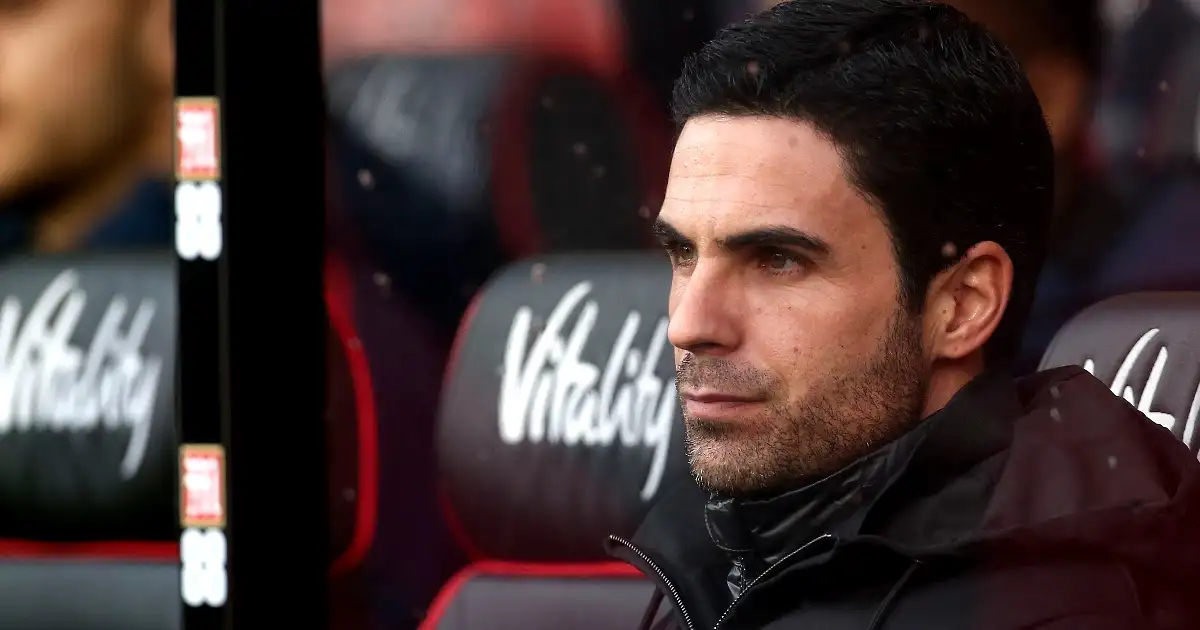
{"points": [[976, 423], [758, 533], [695, 536]]}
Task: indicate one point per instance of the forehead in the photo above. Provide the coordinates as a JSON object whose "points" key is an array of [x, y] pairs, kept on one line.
{"points": [[732, 174]]}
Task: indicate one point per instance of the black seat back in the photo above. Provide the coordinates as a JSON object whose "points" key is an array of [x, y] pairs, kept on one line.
{"points": [[88, 446], [559, 426], [1146, 346]]}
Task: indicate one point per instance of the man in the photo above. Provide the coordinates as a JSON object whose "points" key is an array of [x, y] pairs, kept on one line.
{"points": [[855, 219], [85, 124]]}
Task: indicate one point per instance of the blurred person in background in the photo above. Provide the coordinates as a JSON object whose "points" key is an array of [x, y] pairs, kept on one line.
{"points": [[1108, 237], [1130, 225], [85, 124]]}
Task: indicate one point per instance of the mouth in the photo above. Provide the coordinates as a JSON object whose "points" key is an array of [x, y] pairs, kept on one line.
{"points": [[717, 406]]}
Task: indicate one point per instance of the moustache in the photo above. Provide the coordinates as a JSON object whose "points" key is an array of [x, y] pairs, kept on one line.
{"points": [[723, 375]]}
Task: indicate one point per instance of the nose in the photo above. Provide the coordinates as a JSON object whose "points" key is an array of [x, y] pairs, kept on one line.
{"points": [[704, 314]]}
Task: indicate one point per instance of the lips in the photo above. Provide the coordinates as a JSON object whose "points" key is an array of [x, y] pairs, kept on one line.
{"points": [[711, 396], [717, 406]]}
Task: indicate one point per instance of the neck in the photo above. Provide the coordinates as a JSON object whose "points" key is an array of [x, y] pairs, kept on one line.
{"points": [[947, 379], [63, 224]]}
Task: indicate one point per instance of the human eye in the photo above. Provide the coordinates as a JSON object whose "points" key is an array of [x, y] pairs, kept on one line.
{"points": [[681, 254], [781, 262]]}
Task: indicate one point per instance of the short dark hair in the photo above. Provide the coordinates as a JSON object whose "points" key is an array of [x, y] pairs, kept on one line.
{"points": [[935, 120]]}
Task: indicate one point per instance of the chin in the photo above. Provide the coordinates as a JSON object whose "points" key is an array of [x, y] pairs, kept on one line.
{"points": [[730, 467], [734, 486]]}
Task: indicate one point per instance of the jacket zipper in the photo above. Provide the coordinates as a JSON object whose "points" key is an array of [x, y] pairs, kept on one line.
{"points": [[687, 618], [767, 572]]}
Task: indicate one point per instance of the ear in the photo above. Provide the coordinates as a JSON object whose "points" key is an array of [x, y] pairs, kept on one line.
{"points": [[965, 303]]}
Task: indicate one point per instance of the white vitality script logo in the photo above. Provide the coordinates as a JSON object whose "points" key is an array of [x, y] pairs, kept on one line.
{"points": [[48, 384], [548, 393], [1145, 401]]}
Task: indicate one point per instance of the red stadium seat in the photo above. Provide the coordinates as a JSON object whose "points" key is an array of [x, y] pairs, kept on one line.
{"points": [[385, 366], [88, 452], [445, 168], [450, 167], [559, 425], [354, 429]]}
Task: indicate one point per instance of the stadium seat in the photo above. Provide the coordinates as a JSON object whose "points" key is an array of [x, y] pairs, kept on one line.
{"points": [[1146, 346], [452, 166], [559, 426], [88, 453], [444, 168], [353, 437], [661, 34], [386, 363]]}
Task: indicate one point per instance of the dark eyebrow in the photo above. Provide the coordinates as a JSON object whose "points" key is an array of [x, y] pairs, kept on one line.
{"points": [[777, 236], [668, 235]]}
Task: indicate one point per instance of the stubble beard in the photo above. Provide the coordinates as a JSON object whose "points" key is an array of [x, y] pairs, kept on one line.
{"points": [[788, 445]]}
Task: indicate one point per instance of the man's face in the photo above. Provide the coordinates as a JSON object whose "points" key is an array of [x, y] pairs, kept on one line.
{"points": [[72, 88], [794, 353]]}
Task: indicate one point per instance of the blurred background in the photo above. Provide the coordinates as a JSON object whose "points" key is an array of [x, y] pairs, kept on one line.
{"points": [[464, 137]]}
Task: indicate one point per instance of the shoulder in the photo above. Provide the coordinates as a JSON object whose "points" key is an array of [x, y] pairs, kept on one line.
{"points": [[1008, 595]]}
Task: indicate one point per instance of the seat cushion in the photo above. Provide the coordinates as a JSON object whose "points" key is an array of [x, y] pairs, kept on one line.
{"points": [[89, 594], [515, 596]]}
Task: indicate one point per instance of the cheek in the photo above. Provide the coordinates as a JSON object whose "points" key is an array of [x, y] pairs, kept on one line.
{"points": [[673, 294], [34, 92], [32, 78], [806, 342]]}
